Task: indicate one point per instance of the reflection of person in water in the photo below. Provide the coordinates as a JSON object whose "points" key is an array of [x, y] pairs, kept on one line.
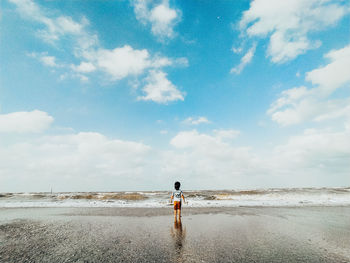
{"points": [[178, 234]]}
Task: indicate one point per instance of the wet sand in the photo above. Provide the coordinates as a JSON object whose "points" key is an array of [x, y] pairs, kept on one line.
{"points": [[304, 234]]}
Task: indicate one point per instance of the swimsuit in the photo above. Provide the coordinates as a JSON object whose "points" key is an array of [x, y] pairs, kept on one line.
{"points": [[177, 205]]}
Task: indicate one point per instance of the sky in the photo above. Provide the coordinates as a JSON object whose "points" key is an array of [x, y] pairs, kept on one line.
{"points": [[134, 95]]}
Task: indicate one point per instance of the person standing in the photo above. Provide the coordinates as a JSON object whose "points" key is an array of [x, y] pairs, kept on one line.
{"points": [[176, 198]]}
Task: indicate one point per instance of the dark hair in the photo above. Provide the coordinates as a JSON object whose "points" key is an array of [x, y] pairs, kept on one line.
{"points": [[177, 185]]}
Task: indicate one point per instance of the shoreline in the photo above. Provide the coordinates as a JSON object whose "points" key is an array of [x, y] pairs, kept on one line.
{"points": [[162, 211]]}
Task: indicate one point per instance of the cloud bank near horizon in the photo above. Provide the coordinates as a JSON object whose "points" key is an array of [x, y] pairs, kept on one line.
{"points": [[87, 161]]}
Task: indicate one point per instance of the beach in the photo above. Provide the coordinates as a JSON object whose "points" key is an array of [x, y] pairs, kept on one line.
{"points": [[237, 234]]}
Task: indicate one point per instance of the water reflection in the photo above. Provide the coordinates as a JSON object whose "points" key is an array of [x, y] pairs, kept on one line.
{"points": [[178, 234]]}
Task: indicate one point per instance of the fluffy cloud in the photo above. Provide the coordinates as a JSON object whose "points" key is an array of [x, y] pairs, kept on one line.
{"points": [[226, 134], [159, 89], [84, 67], [245, 60], [81, 161], [316, 147], [118, 63], [288, 24], [55, 28], [161, 17], [25, 122], [45, 59], [86, 161], [196, 121], [49, 61], [335, 74], [315, 158], [210, 161], [300, 104], [91, 161], [124, 61], [194, 139]]}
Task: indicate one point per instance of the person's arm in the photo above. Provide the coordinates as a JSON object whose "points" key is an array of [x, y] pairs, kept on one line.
{"points": [[171, 198], [183, 197]]}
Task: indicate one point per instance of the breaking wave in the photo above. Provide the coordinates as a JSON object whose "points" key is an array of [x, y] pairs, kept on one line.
{"points": [[204, 198]]}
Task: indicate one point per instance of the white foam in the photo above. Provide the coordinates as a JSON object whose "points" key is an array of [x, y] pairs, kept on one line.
{"points": [[272, 197]]}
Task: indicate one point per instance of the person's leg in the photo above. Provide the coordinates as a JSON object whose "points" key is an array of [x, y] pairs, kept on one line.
{"points": [[179, 212], [175, 214]]}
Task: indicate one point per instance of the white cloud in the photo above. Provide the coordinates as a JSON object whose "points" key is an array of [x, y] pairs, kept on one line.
{"points": [[55, 28], [82, 78], [29, 9], [66, 25], [25, 122], [90, 161], [49, 61], [122, 62], [316, 157], [194, 139], [335, 74], [161, 17], [84, 67], [245, 60], [117, 63], [347, 125], [159, 89], [60, 28], [45, 59], [73, 162], [288, 24], [311, 108], [300, 104], [196, 121], [209, 161], [126, 61], [237, 50], [226, 134], [86, 161], [187, 139]]}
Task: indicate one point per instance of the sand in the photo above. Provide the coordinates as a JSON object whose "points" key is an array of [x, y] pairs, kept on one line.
{"points": [[304, 234]]}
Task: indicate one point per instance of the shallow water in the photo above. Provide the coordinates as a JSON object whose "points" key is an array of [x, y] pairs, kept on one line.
{"points": [[302, 234]]}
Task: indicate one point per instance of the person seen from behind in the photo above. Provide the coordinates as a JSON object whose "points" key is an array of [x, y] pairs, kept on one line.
{"points": [[176, 198]]}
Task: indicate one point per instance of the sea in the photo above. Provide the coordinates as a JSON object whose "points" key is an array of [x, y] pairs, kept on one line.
{"points": [[275, 197]]}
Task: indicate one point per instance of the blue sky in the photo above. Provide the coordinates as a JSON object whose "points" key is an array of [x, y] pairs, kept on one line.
{"points": [[132, 95]]}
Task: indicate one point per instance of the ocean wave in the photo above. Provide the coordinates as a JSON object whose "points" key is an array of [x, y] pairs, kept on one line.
{"points": [[105, 196], [203, 198]]}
